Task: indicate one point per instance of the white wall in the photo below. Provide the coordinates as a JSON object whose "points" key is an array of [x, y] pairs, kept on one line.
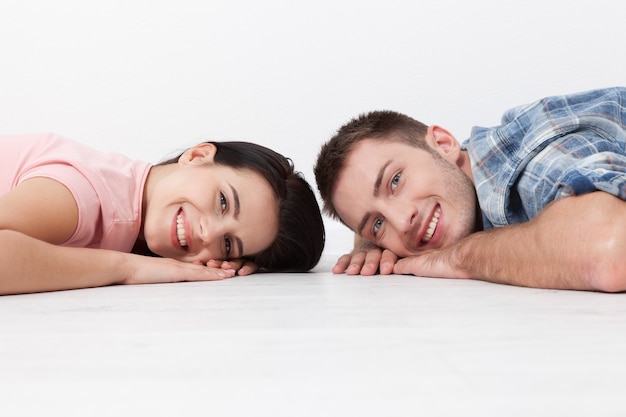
{"points": [[151, 77]]}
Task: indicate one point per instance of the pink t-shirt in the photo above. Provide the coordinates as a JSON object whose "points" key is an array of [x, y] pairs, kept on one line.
{"points": [[107, 187]]}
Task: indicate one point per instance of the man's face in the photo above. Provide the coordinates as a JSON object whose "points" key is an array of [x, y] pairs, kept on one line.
{"points": [[404, 198]]}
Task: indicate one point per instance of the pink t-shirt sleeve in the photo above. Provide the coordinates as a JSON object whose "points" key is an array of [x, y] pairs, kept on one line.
{"points": [[88, 231], [107, 187]]}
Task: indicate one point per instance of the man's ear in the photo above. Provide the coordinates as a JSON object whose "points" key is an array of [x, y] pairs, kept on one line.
{"points": [[444, 143], [198, 155]]}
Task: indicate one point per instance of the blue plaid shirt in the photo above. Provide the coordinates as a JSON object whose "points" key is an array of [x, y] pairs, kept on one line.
{"points": [[553, 148]]}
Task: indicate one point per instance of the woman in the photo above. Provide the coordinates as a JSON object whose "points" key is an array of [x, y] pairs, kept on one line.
{"points": [[72, 217]]}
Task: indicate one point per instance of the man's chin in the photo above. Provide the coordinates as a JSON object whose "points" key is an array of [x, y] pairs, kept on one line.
{"points": [[404, 252], [413, 252]]}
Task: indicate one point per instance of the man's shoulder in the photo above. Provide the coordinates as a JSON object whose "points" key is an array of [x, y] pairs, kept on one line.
{"points": [[562, 107]]}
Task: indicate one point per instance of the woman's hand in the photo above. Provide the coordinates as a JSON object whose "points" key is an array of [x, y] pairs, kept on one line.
{"points": [[150, 270], [241, 266]]}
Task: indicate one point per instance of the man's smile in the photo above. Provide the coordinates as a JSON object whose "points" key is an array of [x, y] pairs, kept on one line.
{"points": [[432, 226]]}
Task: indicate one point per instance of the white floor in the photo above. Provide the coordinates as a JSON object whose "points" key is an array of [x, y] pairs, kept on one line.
{"points": [[314, 345]]}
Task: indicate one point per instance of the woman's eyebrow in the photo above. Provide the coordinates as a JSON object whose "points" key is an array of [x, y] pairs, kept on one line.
{"points": [[237, 205], [239, 246], [236, 201]]}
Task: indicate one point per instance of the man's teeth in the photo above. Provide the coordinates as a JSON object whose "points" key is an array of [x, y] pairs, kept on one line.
{"points": [[180, 230], [432, 226]]}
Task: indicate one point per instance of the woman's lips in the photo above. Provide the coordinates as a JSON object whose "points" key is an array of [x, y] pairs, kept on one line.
{"points": [[179, 232]]}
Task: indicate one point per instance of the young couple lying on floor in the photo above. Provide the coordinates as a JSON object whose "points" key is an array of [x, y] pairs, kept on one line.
{"points": [[537, 201]]}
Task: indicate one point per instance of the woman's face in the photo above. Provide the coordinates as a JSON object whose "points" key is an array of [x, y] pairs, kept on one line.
{"points": [[199, 211]]}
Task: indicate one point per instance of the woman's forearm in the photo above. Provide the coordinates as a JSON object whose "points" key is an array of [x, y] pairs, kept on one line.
{"points": [[29, 265]]}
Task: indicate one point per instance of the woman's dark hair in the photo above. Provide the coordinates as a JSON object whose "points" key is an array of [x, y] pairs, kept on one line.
{"points": [[300, 240]]}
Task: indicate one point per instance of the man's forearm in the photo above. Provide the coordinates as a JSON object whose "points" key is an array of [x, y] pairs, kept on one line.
{"points": [[519, 255], [575, 243]]}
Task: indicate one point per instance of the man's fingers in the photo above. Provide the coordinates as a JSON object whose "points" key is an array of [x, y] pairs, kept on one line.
{"points": [[356, 263], [372, 260], [364, 262], [351, 263], [387, 262], [342, 264]]}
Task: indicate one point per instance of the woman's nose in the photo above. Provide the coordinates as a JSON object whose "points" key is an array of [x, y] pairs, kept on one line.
{"points": [[209, 234], [209, 230]]}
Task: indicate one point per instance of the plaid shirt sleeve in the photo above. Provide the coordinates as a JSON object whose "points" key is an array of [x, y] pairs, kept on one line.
{"points": [[553, 148]]}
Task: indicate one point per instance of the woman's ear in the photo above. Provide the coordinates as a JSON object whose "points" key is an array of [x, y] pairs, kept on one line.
{"points": [[198, 155], [444, 143]]}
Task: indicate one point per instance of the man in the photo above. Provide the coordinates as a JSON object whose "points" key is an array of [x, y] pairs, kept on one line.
{"points": [[537, 201]]}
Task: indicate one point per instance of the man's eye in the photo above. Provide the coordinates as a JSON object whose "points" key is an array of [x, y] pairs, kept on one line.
{"points": [[394, 181], [223, 202], [377, 225]]}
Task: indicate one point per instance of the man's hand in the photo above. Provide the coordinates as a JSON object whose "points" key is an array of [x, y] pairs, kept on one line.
{"points": [[366, 261], [434, 263]]}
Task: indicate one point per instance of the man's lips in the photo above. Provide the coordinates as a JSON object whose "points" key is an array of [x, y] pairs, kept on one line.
{"points": [[430, 227]]}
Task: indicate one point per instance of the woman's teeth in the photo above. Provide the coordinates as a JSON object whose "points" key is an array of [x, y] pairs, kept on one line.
{"points": [[432, 226], [180, 231]]}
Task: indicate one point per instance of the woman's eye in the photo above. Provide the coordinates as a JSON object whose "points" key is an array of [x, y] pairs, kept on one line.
{"points": [[394, 181], [227, 245], [377, 225], [223, 202]]}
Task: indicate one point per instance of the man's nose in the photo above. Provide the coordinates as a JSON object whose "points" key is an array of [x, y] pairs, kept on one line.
{"points": [[402, 216]]}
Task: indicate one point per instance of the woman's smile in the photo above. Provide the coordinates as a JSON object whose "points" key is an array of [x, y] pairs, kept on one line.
{"points": [[181, 236]]}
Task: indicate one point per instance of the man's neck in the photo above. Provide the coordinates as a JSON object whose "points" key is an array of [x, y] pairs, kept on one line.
{"points": [[465, 164]]}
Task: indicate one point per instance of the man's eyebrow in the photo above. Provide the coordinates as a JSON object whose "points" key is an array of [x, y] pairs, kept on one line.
{"points": [[363, 222], [379, 181], [237, 205], [379, 178]]}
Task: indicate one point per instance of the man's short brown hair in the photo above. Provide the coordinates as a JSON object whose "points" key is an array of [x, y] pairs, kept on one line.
{"points": [[379, 125]]}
